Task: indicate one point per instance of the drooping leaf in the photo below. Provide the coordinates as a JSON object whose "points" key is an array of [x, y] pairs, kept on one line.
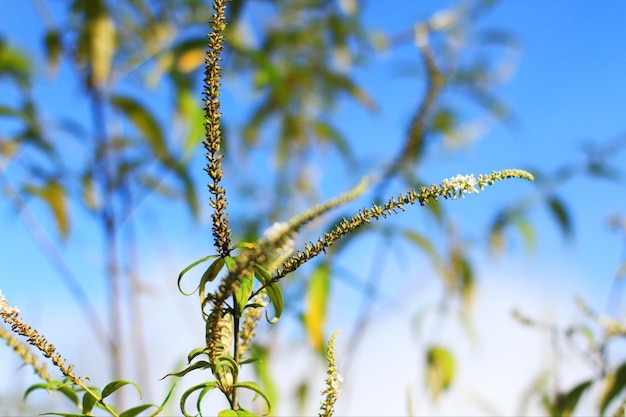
{"points": [[88, 402], [560, 213], [115, 385], [315, 305], [263, 372], [565, 403], [614, 385], [101, 32], [145, 123], [253, 386], [191, 112], [440, 370], [243, 287], [54, 50], [273, 292], [54, 196], [200, 387], [15, 64], [184, 271], [136, 411], [192, 367]]}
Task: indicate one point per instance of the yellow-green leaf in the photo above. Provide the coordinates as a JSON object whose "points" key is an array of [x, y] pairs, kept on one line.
{"points": [[439, 370], [144, 121], [615, 384], [102, 43], [315, 305], [53, 194]]}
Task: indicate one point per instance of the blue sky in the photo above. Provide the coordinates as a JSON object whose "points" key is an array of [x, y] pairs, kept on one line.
{"points": [[568, 89]]}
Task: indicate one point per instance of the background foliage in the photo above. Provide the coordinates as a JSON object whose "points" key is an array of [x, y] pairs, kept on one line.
{"points": [[101, 152]]}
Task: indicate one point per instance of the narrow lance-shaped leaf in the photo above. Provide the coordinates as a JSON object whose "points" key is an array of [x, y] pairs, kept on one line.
{"points": [[615, 383], [145, 123], [315, 305], [272, 290], [53, 194], [561, 215]]}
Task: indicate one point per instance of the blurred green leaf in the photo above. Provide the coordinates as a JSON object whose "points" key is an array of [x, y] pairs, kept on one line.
{"points": [[565, 403], [614, 384], [54, 195], [440, 370], [15, 64], [315, 305], [264, 373], [53, 46], [145, 123], [560, 213]]}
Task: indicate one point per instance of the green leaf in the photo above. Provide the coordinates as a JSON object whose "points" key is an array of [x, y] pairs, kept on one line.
{"points": [[423, 243], [439, 370], [191, 112], [565, 404], [193, 366], [184, 271], [561, 215], [615, 383], [209, 275], [135, 411], [227, 413], [115, 385], [272, 290], [145, 123], [15, 64], [88, 402], [253, 386], [243, 286], [264, 373], [315, 305], [54, 195], [203, 386], [54, 50]]}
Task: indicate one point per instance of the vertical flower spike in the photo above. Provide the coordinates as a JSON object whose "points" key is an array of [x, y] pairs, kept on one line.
{"points": [[333, 381], [212, 125]]}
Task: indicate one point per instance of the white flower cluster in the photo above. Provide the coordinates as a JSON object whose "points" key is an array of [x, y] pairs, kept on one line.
{"points": [[6, 307], [459, 186], [278, 235]]}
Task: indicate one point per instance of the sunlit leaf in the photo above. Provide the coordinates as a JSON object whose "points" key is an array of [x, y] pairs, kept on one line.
{"points": [[102, 40], [264, 372], [440, 370], [145, 123], [192, 113], [54, 195], [14, 64], [615, 383], [315, 305]]}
